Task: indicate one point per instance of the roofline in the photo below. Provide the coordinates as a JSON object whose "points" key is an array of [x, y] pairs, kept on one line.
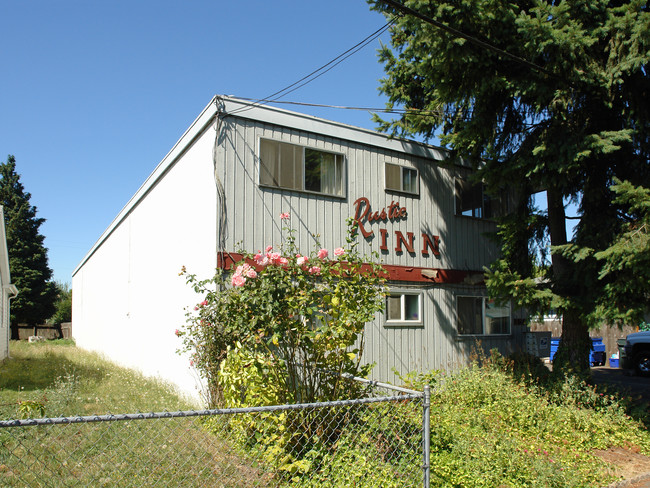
{"points": [[264, 113], [5, 271], [230, 106]]}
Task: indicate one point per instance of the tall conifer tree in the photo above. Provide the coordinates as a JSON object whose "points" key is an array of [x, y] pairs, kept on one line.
{"points": [[27, 253], [540, 95]]}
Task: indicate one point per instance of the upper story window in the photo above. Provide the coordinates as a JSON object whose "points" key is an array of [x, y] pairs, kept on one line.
{"points": [[482, 316], [473, 201], [403, 308], [401, 178], [300, 168]]}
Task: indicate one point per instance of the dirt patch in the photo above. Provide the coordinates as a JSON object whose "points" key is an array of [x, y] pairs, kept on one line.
{"points": [[626, 464]]}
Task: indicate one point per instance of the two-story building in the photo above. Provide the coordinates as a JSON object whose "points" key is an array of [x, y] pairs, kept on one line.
{"points": [[223, 186]]}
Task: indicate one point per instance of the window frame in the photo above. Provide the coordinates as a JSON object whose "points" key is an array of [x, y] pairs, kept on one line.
{"points": [[497, 206], [484, 307], [403, 321], [402, 169], [302, 172]]}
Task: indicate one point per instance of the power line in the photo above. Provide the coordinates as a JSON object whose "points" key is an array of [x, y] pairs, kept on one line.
{"points": [[342, 107], [407, 10], [320, 71]]}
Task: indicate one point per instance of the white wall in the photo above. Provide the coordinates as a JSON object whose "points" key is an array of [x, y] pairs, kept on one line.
{"points": [[128, 297]]}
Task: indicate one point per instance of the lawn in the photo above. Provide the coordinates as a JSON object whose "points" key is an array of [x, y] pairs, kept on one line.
{"points": [[58, 379], [68, 381], [493, 424]]}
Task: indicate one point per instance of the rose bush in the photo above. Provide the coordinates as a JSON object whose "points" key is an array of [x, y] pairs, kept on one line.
{"points": [[301, 316]]}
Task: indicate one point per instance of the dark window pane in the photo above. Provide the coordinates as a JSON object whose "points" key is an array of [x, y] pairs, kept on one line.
{"points": [[470, 311]]}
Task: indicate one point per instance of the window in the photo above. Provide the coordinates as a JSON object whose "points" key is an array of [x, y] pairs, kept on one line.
{"points": [[482, 316], [404, 308], [472, 201], [299, 168], [401, 178]]}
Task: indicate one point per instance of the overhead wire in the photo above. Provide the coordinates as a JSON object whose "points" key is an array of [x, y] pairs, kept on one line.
{"points": [[318, 72], [343, 107], [402, 10]]}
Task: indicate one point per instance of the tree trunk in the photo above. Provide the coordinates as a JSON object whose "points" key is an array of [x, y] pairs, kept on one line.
{"points": [[575, 344]]}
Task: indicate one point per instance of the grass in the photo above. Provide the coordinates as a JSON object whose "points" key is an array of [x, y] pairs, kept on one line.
{"points": [[55, 378], [493, 424], [69, 381]]}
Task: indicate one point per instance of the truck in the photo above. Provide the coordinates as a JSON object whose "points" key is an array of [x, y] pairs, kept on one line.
{"points": [[637, 353]]}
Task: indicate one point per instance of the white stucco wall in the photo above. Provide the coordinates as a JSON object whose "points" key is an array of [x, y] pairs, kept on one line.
{"points": [[128, 295]]}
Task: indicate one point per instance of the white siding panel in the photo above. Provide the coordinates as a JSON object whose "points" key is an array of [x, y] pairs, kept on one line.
{"points": [[129, 298]]}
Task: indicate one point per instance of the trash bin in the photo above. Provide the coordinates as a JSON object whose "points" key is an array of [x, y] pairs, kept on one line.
{"points": [[597, 356], [622, 358]]}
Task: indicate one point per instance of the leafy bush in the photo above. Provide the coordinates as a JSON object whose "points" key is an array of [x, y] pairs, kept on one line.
{"points": [[492, 427], [283, 327], [300, 315]]}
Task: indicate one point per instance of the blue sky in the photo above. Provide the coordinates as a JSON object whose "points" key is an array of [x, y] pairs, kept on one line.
{"points": [[94, 94]]}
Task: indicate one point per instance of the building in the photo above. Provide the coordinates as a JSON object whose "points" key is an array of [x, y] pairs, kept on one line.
{"points": [[223, 186], [8, 291]]}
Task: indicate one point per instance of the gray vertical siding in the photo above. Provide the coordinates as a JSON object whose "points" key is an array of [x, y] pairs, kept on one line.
{"points": [[253, 223]]}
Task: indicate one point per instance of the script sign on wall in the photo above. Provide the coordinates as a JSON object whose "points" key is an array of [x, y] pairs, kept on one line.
{"points": [[364, 217]]}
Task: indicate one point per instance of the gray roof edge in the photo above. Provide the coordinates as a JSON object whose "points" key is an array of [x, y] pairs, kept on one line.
{"points": [[264, 113], [232, 106]]}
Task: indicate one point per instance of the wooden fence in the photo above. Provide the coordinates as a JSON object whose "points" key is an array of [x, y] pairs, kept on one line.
{"points": [[609, 334], [23, 332]]}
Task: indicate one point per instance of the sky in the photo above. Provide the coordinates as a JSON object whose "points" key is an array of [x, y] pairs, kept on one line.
{"points": [[94, 94]]}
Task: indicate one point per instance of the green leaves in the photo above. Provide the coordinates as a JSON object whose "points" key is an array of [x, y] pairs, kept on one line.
{"points": [[28, 262], [304, 312]]}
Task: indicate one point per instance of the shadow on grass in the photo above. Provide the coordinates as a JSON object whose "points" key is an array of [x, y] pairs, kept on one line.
{"points": [[38, 372]]}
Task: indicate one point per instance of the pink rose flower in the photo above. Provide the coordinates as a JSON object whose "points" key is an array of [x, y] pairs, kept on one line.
{"points": [[177, 332], [285, 216], [301, 260], [251, 273], [204, 303], [268, 249], [238, 280], [322, 254], [315, 270], [339, 251]]}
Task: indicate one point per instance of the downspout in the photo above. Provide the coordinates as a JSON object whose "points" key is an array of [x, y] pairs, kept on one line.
{"points": [[11, 291]]}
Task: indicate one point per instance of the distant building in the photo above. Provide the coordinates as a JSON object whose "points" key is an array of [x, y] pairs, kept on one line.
{"points": [[223, 186], [8, 291]]}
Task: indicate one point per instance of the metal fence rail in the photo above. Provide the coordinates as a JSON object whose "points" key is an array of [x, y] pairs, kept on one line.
{"points": [[378, 441]]}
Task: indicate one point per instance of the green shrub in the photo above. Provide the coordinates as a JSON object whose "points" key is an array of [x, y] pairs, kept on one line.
{"points": [[495, 428], [304, 314]]}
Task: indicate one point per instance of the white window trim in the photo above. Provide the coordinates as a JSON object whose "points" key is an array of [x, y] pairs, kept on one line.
{"points": [[402, 190], [483, 307], [404, 322], [344, 169]]}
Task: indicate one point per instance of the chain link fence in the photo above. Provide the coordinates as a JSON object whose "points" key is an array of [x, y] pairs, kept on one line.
{"points": [[380, 440]]}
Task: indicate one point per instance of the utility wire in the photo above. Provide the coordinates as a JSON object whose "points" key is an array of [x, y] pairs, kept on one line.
{"points": [[365, 109], [455, 32], [318, 72]]}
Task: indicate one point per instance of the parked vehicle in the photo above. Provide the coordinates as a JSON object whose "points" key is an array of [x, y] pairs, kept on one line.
{"points": [[637, 353]]}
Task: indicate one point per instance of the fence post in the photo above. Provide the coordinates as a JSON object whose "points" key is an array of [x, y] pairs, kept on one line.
{"points": [[426, 435]]}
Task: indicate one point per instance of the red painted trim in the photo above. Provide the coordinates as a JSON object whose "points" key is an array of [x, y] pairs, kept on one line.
{"points": [[413, 274]]}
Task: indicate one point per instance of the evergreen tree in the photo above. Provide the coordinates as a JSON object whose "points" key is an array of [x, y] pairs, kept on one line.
{"points": [[544, 95], [27, 254]]}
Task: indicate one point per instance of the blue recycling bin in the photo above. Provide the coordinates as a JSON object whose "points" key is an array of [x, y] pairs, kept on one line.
{"points": [[597, 356]]}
